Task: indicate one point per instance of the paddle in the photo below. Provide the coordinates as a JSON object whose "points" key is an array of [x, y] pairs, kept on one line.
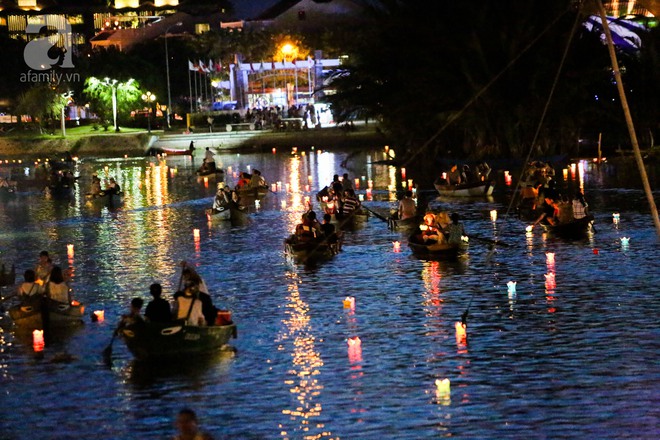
{"points": [[381, 217], [107, 351], [464, 316]]}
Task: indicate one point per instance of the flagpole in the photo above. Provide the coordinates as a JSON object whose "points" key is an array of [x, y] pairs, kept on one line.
{"points": [[196, 95], [190, 90]]}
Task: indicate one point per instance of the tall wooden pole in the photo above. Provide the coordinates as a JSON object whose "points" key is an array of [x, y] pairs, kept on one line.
{"points": [[629, 122]]}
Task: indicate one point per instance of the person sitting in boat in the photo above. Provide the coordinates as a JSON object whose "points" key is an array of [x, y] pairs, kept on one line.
{"points": [[95, 187], [350, 203], [483, 171], [454, 176], [550, 212], [133, 317], [455, 230], [188, 308], [346, 182], [194, 282], [467, 175], [222, 198], [57, 289], [580, 206], [309, 229], [113, 188], [328, 229], [208, 164], [29, 287], [158, 309], [190, 277], [257, 181], [430, 233], [243, 181], [43, 268], [407, 208]]}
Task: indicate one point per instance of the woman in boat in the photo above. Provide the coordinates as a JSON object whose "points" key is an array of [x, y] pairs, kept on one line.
{"points": [[455, 230], [43, 268], [244, 181], [29, 287], [95, 188], [57, 289], [188, 308], [429, 231], [580, 206], [309, 229], [407, 208]]}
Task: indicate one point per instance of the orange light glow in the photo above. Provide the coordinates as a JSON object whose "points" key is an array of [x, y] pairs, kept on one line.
{"points": [[357, 183], [370, 184], [99, 315], [69, 250], [403, 173], [396, 246], [349, 303], [196, 234], [493, 215], [550, 257], [38, 340], [274, 150], [461, 333]]}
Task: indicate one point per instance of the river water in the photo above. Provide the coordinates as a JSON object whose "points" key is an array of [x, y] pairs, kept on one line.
{"points": [[573, 353]]}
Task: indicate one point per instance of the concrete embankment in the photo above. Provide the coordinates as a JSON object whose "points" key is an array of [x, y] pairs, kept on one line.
{"points": [[136, 144]]}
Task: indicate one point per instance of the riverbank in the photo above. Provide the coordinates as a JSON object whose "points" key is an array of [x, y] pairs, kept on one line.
{"points": [[136, 143]]}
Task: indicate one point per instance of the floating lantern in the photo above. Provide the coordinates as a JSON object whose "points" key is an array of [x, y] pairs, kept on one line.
{"points": [[357, 183], [349, 303], [403, 184], [565, 173], [493, 215], [465, 238], [361, 197], [625, 241], [443, 386], [461, 332], [206, 182], [507, 178], [529, 228], [257, 204], [616, 218], [396, 246], [595, 251], [38, 340], [294, 150], [196, 234], [307, 188], [410, 182], [279, 186], [423, 227], [98, 315], [354, 341], [306, 200], [363, 178], [550, 257], [69, 250], [274, 150], [511, 285], [273, 187], [283, 204], [387, 148], [369, 193], [403, 173]]}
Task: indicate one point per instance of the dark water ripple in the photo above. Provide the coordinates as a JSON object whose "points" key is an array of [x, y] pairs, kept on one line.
{"points": [[573, 360]]}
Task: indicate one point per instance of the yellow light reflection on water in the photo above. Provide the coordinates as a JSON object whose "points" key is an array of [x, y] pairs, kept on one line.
{"points": [[297, 337]]}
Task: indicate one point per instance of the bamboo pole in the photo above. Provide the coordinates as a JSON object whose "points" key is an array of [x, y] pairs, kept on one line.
{"points": [[629, 122]]}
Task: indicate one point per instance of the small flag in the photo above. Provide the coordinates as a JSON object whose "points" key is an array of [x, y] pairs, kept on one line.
{"points": [[191, 66], [218, 66]]}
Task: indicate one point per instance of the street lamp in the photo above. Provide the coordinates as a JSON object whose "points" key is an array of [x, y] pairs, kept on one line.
{"points": [[167, 69], [287, 50], [148, 97]]}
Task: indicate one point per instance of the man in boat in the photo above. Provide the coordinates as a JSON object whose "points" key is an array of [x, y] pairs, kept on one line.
{"points": [[257, 181], [550, 212], [483, 171], [350, 203], [455, 230], [346, 182], [158, 309], [187, 425], [29, 288], [309, 229], [328, 229], [407, 207], [208, 166]]}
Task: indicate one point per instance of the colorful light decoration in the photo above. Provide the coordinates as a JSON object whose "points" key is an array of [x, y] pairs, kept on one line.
{"points": [[550, 257], [370, 184], [369, 196], [273, 187], [283, 204], [410, 183], [354, 341], [38, 340], [625, 241], [396, 246], [565, 173], [361, 197], [349, 303], [196, 234], [507, 178], [357, 183], [69, 250], [493, 215]]}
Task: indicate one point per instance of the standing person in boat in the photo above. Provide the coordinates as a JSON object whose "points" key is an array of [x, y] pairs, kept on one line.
{"points": [[29, 287], [57, 289], [580, 206], [188, 427], [208, 165], [407, 208], [158, 309], [455, 230], [95, 188], [43, 268], [191, 147], [350, 203]]}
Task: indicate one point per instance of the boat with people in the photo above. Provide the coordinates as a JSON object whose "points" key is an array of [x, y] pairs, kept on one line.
{"points": [[227, 205], [105, 199], [153, 340], [573, 229], [34, 312], [435, 250], [310, 251], [472, 189]]}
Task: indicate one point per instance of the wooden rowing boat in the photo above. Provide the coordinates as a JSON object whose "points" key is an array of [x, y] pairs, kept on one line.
{"points": [[404, 225], [575, 229], [30, 313], [257, 193], [175, 340], [105, 199], [311, 251], [237, 214], [476, 189], [440, 251]]}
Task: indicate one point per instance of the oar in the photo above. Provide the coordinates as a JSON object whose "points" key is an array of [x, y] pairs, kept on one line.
{"points": [[107, 351], [464, 316], [383, 218]]}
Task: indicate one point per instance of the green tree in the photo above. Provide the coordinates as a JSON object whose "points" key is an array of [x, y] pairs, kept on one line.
{"points": [[100, 93]]}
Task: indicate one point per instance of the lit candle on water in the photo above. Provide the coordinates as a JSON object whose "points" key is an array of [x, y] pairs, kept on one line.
{"points": [[99, 315], [615, 218], [565, 173], [349, 302], [443, 386], [38, 340], [274, 150], [550, 257], [257, 204], [361, 197], [493, 215], [196, 234], [69, 250], [511, 285], [397, 246], [354, 341], [625, 241]]}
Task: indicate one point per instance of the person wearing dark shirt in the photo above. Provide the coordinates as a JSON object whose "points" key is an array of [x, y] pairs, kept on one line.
{"points": [[328, 229], [158, 309]]}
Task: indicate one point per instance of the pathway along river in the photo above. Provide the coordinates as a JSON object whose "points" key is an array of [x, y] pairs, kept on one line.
{"points": [[573, 354]]}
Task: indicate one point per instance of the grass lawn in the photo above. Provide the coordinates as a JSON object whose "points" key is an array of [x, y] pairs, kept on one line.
{"points": [[74, 132]]}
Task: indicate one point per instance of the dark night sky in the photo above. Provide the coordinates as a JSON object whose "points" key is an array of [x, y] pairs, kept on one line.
{"points": [[251, 8]]}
